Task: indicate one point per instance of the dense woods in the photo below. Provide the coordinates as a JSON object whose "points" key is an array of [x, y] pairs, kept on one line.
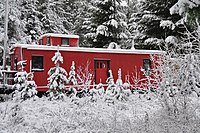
{"points": [[147, 23]]}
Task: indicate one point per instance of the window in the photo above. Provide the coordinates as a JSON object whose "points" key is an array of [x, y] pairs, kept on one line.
{"points": [[64, 42], [147, 66], [48, 41], [40, 42], [37, 63]]}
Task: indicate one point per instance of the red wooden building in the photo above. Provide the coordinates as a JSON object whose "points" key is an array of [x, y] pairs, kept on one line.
{"points": [[38, 59]]}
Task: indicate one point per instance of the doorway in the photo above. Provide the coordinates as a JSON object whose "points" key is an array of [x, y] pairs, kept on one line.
{"points": [[101, 70]]}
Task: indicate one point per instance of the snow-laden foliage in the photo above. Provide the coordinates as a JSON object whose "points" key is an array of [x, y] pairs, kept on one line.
{"points": [[57, 78], [116, 91], [23, 89], [189, 10], [167, 24], [113, 45], [57, 58], [108, 23], [72, 79], [181, 7], [153, 42], [171, 40], [152, 19], [177, 76]]}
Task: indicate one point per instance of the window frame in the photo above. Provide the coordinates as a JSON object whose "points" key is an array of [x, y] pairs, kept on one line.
{"points": [[40, 42], [48, 41], [64, 45], [147, 71], [41, 62]]}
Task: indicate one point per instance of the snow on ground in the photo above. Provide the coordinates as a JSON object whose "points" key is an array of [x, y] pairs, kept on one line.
{"points": [[80, 115]]}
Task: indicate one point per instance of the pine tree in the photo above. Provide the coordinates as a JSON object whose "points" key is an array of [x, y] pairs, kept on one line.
{"points": [[24, 89], [72, 74], [53, 16], [57, 78], [83, 21], [110, 91], [20, 84], [29, 16], [147, 20], [108, 25]]}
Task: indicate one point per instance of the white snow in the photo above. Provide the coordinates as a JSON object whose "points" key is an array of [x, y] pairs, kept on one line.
{"points": [[102, 30], [181, 6], [42, 115], [113, 22], [171, 40], [167, 24], [93, 50], [124, 3], [59, 35]]}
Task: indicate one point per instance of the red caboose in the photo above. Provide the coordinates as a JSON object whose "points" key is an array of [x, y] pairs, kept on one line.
{"points": [[101, 60]]}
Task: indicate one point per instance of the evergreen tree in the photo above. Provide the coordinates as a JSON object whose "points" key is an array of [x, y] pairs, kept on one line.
{"points": [[108, 25], [189, 10], [110, 91], [147, 22], [53, 17], [23, 89], [29, 16], [57, 78], [83, 21], [72, 73]]}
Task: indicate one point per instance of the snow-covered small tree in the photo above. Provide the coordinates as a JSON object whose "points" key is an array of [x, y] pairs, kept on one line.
{"points": [[20, 84], [24, 89], [110, 91], [72, 74], [29, 91], [57, 78], [122, 94]]}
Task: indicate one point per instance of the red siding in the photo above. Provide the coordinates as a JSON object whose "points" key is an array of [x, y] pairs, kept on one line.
{"points": [[129, 63], [55, 41], [73, 42]]}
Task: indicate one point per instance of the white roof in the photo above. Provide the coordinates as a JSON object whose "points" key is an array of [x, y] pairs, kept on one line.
{"points": [[59, 35], [93, 50]]}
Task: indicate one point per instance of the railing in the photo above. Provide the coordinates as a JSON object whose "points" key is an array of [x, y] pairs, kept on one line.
{"points": [[7, 79]]}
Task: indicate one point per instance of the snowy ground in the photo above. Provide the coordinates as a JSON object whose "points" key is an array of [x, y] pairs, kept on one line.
{"points": [[44, 116], [137, 115]]}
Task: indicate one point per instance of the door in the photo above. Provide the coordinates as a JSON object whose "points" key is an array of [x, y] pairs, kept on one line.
{"points": [[101, 70]]}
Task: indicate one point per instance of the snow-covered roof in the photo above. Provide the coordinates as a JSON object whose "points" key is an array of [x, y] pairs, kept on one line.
{"points": [[92, 50], [59, 35]]}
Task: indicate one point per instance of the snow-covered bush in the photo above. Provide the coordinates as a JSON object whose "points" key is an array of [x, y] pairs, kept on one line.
{"points": [[85, 79], [116, 91], [178, 81], [57, 78], [113, 45]]}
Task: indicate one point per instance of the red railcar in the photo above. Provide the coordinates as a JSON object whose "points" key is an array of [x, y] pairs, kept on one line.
{"points": [[101, 60]]}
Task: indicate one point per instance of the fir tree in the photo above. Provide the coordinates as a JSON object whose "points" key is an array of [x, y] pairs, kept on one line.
{"points": [[110, 91], [108, 25], [24, 89], [57, 78], [147, 19], [72, 73]]}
